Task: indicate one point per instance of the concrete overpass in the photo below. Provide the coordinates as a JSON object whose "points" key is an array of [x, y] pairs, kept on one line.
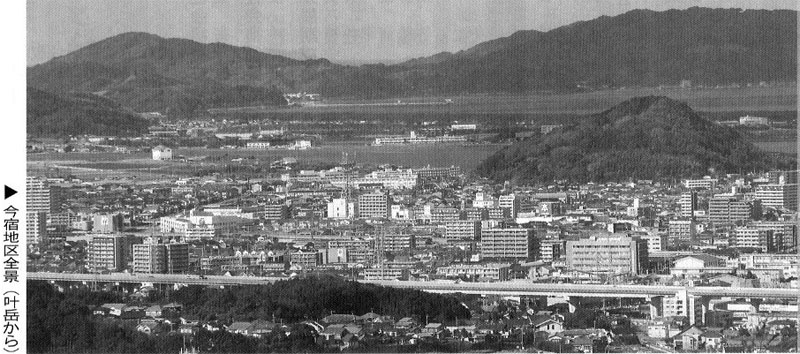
{"points": [[590, 290], [498, 288], [126, 278], [536, 289]]}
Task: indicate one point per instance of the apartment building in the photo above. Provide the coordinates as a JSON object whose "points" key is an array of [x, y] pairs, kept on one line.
{"points": [[373, 205], [607, 255], [107, 253], [463, 230], [509, 243]]}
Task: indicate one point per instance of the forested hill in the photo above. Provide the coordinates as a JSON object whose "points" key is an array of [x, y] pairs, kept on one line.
{"points": [[638, 48], [62, 321], [643, 138], [146, 72], [51, 115]]}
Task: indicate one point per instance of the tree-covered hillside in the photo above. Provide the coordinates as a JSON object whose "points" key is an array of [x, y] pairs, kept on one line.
{"points": [[638, 48], [643, 138], [51, 115], [299, 299]]}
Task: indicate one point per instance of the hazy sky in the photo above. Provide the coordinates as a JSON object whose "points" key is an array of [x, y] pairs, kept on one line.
{"points": [[345, 31]]}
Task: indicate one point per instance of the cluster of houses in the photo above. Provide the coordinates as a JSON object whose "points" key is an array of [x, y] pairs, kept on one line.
{"points": [[681, 336], [342, 331]]}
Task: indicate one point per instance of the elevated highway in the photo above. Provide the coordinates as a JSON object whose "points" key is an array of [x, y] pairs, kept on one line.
{"points": [[498, 288], [536, 289], [127, 278], [588, 290]]}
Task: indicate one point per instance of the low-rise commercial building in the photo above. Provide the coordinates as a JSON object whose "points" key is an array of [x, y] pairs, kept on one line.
{"points": [[704, 183], [202, 225], [698, 264], [383, 273], [787, 263], [493, 271], [107, 223]]}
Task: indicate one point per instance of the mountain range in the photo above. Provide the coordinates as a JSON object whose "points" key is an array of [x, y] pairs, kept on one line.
{"points": [[651, 137], [146, 72]]}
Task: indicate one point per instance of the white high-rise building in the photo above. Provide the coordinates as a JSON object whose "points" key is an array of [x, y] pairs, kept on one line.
{"points": [[36, 228], [781, 196], [633, 211], [340, 208], [688, 203], [510, 202], [41, 196]]}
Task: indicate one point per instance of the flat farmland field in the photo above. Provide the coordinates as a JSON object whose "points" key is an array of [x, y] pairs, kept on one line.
{"points": [[466, 156], [105, 166], [115, 165], [140, 167], [782, 98]]}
